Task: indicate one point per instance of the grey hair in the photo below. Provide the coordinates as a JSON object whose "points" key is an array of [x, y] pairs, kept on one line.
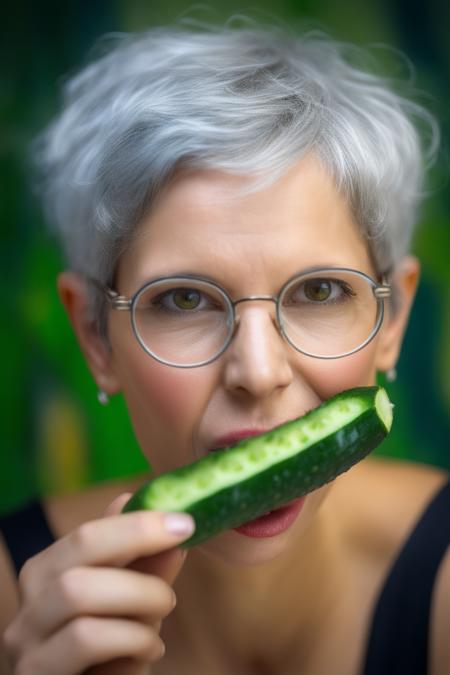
{"points": [[249, 100]]}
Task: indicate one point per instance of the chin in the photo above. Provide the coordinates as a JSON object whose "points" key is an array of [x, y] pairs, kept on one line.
{"points": [[236, 549]]}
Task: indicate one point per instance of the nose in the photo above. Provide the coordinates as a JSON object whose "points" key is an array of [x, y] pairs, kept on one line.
{"points": [[256, 362]]}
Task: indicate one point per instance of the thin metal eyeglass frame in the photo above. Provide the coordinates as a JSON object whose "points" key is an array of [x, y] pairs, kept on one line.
{"points": [[119, 302]]}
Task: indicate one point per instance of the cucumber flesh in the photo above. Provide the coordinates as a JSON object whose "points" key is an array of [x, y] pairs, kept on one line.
{"points": [[234, 485]]}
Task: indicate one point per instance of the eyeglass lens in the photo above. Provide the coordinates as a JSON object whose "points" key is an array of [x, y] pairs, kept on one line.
{"points": [[183, 321], [189, 321], [330, 315]]}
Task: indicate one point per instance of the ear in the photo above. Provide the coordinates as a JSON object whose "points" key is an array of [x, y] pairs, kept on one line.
{"points": [[73, 292], [404, 285]]}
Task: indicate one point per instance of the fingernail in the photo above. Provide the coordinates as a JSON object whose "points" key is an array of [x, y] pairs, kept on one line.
{"points": [[179, 524]]}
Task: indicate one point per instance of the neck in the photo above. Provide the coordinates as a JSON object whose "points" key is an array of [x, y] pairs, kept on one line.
{"points": [[299, 590]]}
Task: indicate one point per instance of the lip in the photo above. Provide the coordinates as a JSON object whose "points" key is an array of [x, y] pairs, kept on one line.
{"points": [[234, 437], [273, 523], [280, 519]]}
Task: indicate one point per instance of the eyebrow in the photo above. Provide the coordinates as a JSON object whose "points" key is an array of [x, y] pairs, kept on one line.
{"points": [[178, 273], [190, 274]]}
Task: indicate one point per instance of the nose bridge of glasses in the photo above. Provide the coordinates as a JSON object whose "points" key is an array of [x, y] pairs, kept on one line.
{"points": [[257, 298], [253, 298]]}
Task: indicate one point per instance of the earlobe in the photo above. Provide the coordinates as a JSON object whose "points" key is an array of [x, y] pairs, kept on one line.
{"points": [[73, 293], [404, 284]]}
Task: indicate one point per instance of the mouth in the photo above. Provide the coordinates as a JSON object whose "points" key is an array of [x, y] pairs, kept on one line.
{"points": [[273, 522], [233, 437]]}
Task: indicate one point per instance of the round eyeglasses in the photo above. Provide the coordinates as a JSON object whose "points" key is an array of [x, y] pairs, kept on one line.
{"points": [[188, 321]]}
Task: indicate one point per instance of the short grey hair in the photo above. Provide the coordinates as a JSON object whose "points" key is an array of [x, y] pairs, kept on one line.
{"points": [[247, 100]]}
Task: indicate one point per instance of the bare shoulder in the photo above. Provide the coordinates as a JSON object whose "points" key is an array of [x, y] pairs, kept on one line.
{"points": [[64, 513], [440, 621], [381, 499], [390, 497], [10, 596], [68, 511]]}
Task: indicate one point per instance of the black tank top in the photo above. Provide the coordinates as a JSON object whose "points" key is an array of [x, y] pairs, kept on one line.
{"points": [[397, 643]]}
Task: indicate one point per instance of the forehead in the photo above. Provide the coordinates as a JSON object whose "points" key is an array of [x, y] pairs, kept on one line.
{"points": [[204, 223]]}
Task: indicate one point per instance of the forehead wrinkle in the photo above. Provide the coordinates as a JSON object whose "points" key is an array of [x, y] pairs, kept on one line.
{"points": [[299, 223], [232, 261], [256, 260]]}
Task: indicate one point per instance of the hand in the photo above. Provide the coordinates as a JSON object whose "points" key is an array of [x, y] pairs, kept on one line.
{"points": [[98, 596]]}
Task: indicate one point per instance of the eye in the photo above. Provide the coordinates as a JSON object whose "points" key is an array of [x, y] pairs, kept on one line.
{"points": [[317, 290], [183, 300], [186, 298]]}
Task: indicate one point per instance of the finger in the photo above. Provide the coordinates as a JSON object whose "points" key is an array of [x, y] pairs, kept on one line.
{"points": [[113, 541], [120, 667], [83, 591], [88, 641], [116, 506], [167, 565]]}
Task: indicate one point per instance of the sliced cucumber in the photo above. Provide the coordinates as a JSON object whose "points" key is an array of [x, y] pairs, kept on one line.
{"points": [[232, 486]]}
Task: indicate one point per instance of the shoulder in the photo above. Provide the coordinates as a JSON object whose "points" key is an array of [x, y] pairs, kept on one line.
{"points": [[390, 497], [64, 513], [381, 499], [440, 621], [68, 511], [10, 595]]}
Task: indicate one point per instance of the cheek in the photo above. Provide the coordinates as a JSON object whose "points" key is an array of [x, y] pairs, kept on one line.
{"points": [[171, 394], [165, 405], [334, 375]]}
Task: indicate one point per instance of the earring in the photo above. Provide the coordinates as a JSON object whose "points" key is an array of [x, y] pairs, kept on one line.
{"points": [[391, 375], [102, 397]]}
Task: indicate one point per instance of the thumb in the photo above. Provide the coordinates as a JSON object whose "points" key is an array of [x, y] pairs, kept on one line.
{"points": [[167, 565], [119, 666], [117, 504]]}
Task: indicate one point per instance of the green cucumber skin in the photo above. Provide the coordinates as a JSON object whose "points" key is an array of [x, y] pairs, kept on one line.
{"points": [[288, 479], [295, 477]]}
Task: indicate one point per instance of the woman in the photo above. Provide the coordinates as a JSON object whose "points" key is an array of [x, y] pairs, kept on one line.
{"points": [[184, 169]]}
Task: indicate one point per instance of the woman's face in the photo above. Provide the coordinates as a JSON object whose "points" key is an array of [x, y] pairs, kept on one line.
{"points": [[250, 245]]}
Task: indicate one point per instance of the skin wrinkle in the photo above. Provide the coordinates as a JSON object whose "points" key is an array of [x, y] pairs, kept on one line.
{"points": [[241, 230], [130, 118], [158, 164], [247, 154], [267, 581], [260, 381], [233, 247]]}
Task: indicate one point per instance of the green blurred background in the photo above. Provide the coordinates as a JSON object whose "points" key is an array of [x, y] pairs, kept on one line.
{"points": [[56, 437]]}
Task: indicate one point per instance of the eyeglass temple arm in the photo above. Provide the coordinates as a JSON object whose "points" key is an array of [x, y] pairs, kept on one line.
{"points": [[382, 291], [119, 302], [122, 303]]}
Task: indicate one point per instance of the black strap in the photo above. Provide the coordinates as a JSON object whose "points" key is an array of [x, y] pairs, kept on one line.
{"points": [[398, 640], [26, 532]]}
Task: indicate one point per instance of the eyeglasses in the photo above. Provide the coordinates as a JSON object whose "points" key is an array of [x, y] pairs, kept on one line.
{"points": [[188, 321]]}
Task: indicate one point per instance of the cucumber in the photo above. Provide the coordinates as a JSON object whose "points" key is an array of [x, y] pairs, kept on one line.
{"points": [[233, 485]]}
